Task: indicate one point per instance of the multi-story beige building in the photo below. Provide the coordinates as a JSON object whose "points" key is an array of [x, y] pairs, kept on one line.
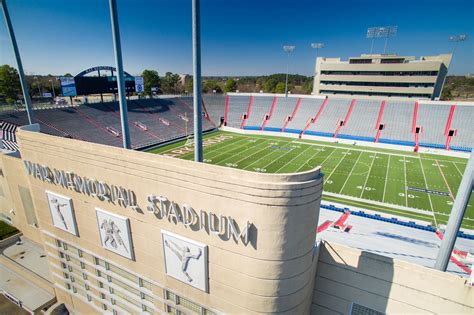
{"points": [[110, 230], [382, 75]]}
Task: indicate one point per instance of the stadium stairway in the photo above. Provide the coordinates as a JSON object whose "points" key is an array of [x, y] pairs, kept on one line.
{"points": [[290, 118], [379, 120], [249, 109], [316, 117], [346, 119], [269, 115]]}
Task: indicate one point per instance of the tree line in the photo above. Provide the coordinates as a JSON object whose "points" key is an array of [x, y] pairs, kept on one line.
{"points": [[170, 83]]}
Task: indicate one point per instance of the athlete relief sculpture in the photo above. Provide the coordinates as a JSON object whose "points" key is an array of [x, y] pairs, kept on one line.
{"points": [[185, 260], [224, 226], [114, 233], [62, 212]]}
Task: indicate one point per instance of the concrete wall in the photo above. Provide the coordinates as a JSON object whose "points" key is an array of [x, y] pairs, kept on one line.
{"points": [[345, 275], [11, 205], [429, 63], [273, 273]]}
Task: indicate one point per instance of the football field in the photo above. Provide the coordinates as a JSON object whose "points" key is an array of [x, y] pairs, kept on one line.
{"points": [[419, 186]]}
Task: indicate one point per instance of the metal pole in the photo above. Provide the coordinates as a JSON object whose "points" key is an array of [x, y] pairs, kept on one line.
{"points": [[456, 216], [120, 78], [385, 46], [197, 81], [372, 46], [287, 70], [24, 84], [52, 88]]}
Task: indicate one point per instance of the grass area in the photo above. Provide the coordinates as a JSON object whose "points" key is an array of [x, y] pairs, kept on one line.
{"points": [[358, 175], [6, 230]]}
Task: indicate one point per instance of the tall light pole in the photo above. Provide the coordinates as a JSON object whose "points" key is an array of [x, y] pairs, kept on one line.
{"points": [[196, 12], [39, 87], [288, 50], [52, 88], [120, 77], [454, 39], [21, 73], [317, 46]]}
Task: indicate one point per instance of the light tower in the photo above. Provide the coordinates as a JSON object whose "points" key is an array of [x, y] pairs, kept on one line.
{"points": [[454, 39], [317, 46], [381, 32], [288, 50]]}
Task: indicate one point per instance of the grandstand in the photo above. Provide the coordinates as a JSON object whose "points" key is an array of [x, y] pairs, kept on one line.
{"points": [[152, 121], [428, 124]]}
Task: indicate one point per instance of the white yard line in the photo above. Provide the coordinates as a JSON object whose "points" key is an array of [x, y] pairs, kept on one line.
{"points": [[368, 175], [426, 187], [335, 168], [271, 152], [445, 181], [219, 153], [386, 179], [193, 153], [350, 173], [266, 147], [460, 173], [373, 151], [302, 165], [406, 184], [286, 153], [294, 158]]}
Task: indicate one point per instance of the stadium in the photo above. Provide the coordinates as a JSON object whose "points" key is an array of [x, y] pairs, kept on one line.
{"points": [[245, 203]]}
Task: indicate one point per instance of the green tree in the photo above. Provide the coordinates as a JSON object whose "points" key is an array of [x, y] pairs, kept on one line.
{"points": [[280, 88], [170, 82], [10, 86], [189, 85], [68, 75], [230, 86], [151, 79], [208, 86], [270, 85]]}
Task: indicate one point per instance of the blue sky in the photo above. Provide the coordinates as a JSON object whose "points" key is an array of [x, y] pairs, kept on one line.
{"points": [[239, 37]]}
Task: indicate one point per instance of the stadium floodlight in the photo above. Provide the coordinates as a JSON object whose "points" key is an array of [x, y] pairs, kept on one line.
{"points": [[381, 32], [455, 39], [317, 46], [52, 88], [288, 49]]}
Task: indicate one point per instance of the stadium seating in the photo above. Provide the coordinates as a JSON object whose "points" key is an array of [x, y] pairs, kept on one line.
{"points": [[308, 109], [397, 119], [363, 119], [154, 121], [463, 123], [334, 112], [359, 119], [432, 119], [151, 121], [260, 107], [284, 108]]}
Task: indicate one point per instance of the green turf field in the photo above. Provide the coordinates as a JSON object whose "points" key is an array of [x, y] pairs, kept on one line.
{"points": [[420, 186]]}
